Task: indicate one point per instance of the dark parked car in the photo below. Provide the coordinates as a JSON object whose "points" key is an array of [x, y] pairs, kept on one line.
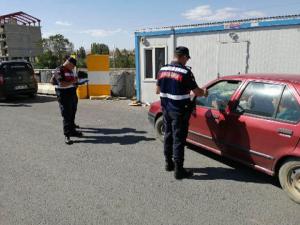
{"points": [[17, 78], [253, 119]]}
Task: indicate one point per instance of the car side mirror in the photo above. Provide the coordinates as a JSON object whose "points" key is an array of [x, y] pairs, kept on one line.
{"points": [[235, 106]]}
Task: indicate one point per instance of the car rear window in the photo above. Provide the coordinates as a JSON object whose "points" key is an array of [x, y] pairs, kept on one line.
{"points": [[20, 69]]}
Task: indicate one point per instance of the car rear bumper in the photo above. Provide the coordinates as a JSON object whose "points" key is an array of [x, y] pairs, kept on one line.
{"points": [[151, 118], [20, 92]]}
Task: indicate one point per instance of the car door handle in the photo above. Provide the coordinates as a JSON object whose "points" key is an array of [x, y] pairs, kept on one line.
{"points": [[285, 132]]}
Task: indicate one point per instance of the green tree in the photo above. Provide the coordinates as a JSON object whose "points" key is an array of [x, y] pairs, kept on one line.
{"points": [[81, 53], [47, 61], [55, 48], [123, 59], [59, 45], [81, 57], [101, 49]]}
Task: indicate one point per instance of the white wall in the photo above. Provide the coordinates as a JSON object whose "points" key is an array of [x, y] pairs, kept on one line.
{"points": [[273, 50], [148, 86]]}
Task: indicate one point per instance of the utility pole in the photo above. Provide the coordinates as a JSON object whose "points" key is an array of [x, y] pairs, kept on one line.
{"points": [[114, 56]]}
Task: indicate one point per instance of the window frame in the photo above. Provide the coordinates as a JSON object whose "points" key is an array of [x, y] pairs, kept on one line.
{"points": [[145, 64], [153, 48], [273, 118], [232, 96], [277, 110]]}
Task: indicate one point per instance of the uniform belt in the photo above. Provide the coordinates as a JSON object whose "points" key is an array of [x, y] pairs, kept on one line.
{"points": [[174, 97], [64, 88]]}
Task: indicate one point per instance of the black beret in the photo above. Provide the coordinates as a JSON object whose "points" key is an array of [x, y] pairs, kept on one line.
{"points": [[72, 60]]}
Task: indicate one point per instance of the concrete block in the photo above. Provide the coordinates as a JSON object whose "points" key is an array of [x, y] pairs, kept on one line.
{"points": [[46, 89]]}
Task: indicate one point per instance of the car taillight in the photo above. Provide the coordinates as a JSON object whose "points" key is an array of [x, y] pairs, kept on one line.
{"points": [[34, 78], [1, 79]]}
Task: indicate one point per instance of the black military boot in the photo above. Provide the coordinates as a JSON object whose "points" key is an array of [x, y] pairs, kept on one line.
{"points": [[68, 141], [76, 134], [169, 165], [180, 172]]}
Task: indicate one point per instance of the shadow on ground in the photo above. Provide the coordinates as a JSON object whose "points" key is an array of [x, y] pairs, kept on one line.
{"points": [[111, 131], [236, 172], [125, 139], [25, 101]]}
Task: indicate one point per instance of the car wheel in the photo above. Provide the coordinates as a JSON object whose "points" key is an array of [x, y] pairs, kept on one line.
{"points": [[159, 129], [289, 177]]}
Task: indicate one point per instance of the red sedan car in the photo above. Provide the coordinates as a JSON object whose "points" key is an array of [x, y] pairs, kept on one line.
{"points": [[253, 119]]}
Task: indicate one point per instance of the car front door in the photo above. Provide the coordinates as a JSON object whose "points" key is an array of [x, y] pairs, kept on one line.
{"points": [[259, 129], [207, 124]]}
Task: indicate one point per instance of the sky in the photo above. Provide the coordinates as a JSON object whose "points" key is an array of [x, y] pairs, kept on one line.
{"points": [[113, 22]]}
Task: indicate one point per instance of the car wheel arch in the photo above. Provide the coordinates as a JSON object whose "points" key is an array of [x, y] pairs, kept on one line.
{"points": [[281, 161], [158, 115]]}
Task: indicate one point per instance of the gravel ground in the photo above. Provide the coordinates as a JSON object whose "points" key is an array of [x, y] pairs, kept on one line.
{"points": [[114, 175]]}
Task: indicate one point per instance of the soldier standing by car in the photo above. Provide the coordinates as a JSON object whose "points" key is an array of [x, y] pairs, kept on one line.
{"points": [[174, 85], [66, 81]]}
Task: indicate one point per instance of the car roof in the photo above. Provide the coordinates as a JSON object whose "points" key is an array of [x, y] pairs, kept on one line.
{"points": [[286, 78], [14, 61]]}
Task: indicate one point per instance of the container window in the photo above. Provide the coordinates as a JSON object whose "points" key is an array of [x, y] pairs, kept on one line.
{"points": [[160, 59], [155, 59], [149, 64]]}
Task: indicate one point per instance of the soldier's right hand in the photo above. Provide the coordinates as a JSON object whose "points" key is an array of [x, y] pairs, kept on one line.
{"points": [[205, 93]]}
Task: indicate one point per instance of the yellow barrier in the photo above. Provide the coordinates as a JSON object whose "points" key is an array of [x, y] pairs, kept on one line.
{"points": [[82, 92], [98, 75], [97, 62], [98, 90]]}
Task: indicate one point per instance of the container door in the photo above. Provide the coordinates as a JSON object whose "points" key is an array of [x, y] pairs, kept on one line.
{"points": [[233, 58]]}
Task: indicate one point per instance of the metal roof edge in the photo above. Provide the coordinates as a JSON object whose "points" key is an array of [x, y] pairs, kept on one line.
{"points": [[21, 18], [221, 26]]}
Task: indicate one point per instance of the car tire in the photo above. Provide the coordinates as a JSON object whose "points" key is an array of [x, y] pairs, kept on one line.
{"points": [[159, 128], [289, 177]]}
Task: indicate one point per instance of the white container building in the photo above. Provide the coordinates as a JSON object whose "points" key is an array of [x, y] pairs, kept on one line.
{"points": [[261, 45]]}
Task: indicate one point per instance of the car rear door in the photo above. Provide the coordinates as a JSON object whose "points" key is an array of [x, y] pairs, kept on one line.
{"points": [[257, 134], [207, 125]]}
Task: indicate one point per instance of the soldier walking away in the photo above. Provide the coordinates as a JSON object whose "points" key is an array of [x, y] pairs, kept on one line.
{"points": [[174, 85], [66, 82]]}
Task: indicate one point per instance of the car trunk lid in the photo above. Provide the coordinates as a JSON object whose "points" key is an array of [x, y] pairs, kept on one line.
{"points": [[18, 75]]}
